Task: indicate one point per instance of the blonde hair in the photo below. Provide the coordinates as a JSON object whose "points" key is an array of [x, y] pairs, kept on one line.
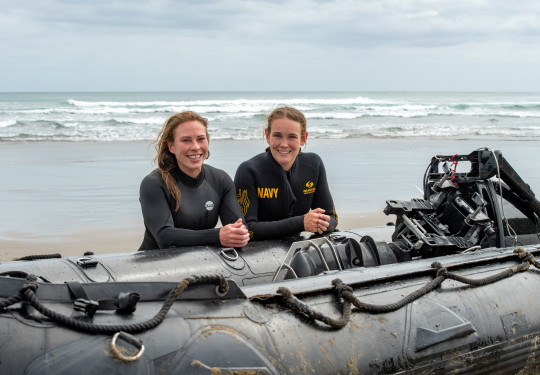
{"points": [[165, 160], [290, 113]]}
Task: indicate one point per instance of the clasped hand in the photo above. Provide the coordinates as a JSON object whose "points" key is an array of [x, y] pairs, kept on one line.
{"points": [[234, 235], [316, 221]]}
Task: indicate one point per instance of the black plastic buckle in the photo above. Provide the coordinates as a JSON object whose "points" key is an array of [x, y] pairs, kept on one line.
{"points": [[127, 302], [88, 307]]}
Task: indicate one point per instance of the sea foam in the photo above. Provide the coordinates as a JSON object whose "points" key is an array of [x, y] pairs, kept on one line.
{"points": [[139, 116]]}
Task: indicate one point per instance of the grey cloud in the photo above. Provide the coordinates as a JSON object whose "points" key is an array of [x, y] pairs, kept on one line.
{"points": [[127, 42], [341, 22]]}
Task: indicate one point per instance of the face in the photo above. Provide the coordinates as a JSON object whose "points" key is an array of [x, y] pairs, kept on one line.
{"points": [[190, 147], [285, 141]]}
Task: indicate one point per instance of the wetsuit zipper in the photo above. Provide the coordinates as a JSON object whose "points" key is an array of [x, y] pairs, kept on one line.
{"points": [[288, 174]]}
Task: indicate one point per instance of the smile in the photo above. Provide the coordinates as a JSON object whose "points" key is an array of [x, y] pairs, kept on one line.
{"points": [[194, 157], [284, 152]]}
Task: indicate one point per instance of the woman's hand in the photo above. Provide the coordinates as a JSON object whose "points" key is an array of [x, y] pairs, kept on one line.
{"points": [[234, 235], [316, 221]]}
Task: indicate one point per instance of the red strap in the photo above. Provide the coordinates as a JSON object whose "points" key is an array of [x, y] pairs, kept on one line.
{"points": [[454, 167]]}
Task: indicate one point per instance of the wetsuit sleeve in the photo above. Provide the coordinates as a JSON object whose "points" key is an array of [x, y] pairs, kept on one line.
{"points": [[230, 210], [155, 200], [246, 188], [323, 198]]}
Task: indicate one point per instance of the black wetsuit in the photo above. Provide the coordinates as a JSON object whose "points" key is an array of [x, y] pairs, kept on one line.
{"points": [[274, 202], [202, 200]]}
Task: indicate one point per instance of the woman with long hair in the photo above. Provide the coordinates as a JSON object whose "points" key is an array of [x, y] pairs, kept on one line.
{"points": [[183, 198]]}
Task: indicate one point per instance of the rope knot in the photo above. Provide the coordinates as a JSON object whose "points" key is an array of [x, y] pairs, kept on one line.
{"points": [[525, 256], [285, 292], [341, 287], [441, 271], [30, 284], [529, 258]]}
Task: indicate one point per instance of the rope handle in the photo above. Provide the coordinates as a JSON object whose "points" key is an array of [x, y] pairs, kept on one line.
{"points": [[346, 298]]}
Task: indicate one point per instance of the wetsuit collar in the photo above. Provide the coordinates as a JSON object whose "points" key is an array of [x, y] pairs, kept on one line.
{"points": [[277, 165], [188, 180]]}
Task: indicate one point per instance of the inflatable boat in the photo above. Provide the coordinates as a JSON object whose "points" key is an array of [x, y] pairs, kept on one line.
{"points": [[451, 287]]}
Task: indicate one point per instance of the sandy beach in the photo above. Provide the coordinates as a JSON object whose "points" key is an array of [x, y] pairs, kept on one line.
{"points": [[73, 197]]}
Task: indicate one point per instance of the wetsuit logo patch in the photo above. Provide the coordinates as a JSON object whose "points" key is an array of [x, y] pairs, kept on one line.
{"points": [[267, 192], [243, 200], [209, 206], [309, 188]]}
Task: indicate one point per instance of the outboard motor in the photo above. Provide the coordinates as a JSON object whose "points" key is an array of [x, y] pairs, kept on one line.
{"points": [[465, 211]]}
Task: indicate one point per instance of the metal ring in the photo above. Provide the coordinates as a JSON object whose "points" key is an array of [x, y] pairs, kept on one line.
{"points": [[231, 258], [87, 262], [129, 339], [82, 260], [220, 293]]}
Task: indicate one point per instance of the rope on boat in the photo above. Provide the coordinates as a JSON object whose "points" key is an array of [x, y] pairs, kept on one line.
{"points": [[42, 256], [346, 297], [305, 309], [27, 293], [11, 301]]}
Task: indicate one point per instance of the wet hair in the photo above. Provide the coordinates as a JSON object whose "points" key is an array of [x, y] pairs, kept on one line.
{"points": [[290, 113], [166, 160]]}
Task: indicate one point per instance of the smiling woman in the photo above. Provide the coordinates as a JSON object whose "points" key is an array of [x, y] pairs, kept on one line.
{"points": [[190, 146], [182, 199], [284, 191]]}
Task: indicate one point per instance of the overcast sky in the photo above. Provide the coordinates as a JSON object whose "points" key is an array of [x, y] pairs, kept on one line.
{"points": [[299, 45]]}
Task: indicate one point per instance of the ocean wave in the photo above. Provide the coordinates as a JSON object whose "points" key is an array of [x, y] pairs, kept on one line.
{"points": [[136, 121], [139, 116], [437, 131], [6, 123], [131, 129], [404, 111], [313, 108], [224, 102], [243, 137]]}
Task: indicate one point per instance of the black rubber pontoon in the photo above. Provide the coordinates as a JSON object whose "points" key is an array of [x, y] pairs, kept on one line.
{"points": [[451, 288]]}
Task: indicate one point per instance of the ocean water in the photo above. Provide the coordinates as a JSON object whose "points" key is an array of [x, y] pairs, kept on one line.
{"points": [[241, 115]]}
